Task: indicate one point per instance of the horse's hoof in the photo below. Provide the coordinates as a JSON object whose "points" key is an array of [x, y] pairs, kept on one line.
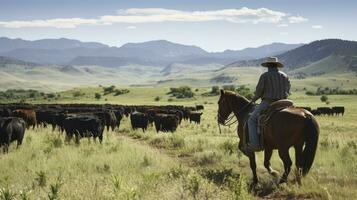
{"points": [[282, 180]]}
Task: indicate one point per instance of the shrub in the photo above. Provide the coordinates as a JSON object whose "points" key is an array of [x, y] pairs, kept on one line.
{"points": [[97, 96], [55, 189], [238, 188], [229, 147], [181, 92], [324, 98], [207, 158], [41, 178], [193, 183], [171, 142], [108, 90], [214, 91], [218, 176], [6, 194], [157, 98], [78, 94], [146, 161], [121, 91]]}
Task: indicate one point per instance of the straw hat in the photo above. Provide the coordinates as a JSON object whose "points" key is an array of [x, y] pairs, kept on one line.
{"points": [[272, 60]]}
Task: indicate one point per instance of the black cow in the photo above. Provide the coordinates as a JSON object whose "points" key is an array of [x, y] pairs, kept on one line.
{"points": [[338, 110], [11, 129], [195, 117], [325, 111], [139, 120], [83, 126], [166, 122], [199, 107]]}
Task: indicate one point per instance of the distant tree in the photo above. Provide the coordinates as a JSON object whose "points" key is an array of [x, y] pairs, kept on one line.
{"points": [[181, 92], [78, 94], [97, 96], [215, 90], [157, 98], [324, 98]]}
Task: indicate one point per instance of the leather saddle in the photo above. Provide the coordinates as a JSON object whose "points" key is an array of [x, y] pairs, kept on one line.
{"points": [[264, 118]]}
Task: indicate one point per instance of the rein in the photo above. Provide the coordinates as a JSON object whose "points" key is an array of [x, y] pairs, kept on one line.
{"points": [[226, 122]]}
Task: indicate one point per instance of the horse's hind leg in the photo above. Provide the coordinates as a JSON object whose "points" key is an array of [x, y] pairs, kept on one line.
{"points": [[267, 155], [285, 157], [298, 162]]}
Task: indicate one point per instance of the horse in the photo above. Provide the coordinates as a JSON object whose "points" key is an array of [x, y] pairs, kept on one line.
{"points": [[290, 127]]}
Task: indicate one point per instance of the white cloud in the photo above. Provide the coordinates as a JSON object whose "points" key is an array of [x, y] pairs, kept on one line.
{"points": [[317, 26], [282, 25], [297, 19], [150, 15], [130, 27], [55, 23]]}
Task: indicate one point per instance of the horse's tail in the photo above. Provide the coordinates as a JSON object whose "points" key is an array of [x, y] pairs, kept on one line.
{"points": [[311, 137]]}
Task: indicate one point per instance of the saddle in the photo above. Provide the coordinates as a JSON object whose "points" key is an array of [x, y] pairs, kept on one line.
{"points": [[264, 118]]}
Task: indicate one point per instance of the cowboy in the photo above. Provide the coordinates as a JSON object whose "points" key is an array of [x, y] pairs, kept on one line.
{"points": [[273, 85]]}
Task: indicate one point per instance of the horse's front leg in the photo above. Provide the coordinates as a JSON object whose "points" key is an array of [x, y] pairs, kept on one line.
{"points": [[253, 167], [267, 156], [253, 164]]}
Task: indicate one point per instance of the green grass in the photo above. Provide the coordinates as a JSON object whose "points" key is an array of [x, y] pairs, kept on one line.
{"points": [[131, 164]]}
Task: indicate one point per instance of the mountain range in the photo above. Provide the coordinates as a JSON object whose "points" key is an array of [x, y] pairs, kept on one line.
{"points": [[158, 53], [309, 54], [161, 62]]}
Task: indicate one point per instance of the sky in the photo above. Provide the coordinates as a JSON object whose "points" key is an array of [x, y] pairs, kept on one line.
{"points": [[214, 25]]}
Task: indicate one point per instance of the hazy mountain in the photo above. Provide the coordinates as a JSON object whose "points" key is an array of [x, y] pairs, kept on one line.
{"points": [[258, 52], [308, 54], [157, 53], [7, 44], [166, 49]]}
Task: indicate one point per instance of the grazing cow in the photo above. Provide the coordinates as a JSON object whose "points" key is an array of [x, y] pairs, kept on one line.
{"points": [[325, 111], [108, 117], [166, 122], [28, 115], [315, 112], [5, 112], [11, 129], [186, 112], [199, 107], [139, 120], [119, 115], [195, 117], [83, 126], [338, 110]]}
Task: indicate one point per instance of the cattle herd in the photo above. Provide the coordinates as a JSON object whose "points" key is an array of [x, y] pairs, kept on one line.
{"points": [[89, 120], [330, 111]]}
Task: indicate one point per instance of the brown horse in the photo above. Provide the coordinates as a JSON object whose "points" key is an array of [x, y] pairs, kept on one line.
{"points": [[289, 127]]}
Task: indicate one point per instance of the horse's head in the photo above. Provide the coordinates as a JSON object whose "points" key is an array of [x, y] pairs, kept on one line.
{"points": [[224, 107], [230, 102]]}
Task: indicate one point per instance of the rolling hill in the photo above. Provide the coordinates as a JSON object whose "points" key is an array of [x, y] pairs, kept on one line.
{"points": [[311, 53]]}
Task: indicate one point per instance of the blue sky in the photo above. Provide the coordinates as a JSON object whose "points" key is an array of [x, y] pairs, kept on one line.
{"points": [[212, 25]]}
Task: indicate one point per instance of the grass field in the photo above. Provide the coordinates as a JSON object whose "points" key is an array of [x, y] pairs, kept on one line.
{"points": [[195, 162]]}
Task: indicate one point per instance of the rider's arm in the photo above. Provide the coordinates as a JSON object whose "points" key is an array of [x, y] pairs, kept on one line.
{"points": [[259, 90], [288, 86]]}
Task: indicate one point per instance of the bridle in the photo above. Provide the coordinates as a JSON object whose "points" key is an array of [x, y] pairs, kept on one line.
{"points": [[228, 122]]}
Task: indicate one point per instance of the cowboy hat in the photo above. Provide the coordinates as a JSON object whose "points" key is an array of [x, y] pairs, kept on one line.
{"points": [[272, 60]]}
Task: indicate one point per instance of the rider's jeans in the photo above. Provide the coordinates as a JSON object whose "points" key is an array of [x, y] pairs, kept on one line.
{"points": [[253, 122]]}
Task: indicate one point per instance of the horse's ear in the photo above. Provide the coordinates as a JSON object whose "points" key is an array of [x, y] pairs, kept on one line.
{"points": [[222, 92]]}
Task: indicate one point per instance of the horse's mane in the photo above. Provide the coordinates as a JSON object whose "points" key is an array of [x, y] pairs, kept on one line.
{"points": [[237, 98]]}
